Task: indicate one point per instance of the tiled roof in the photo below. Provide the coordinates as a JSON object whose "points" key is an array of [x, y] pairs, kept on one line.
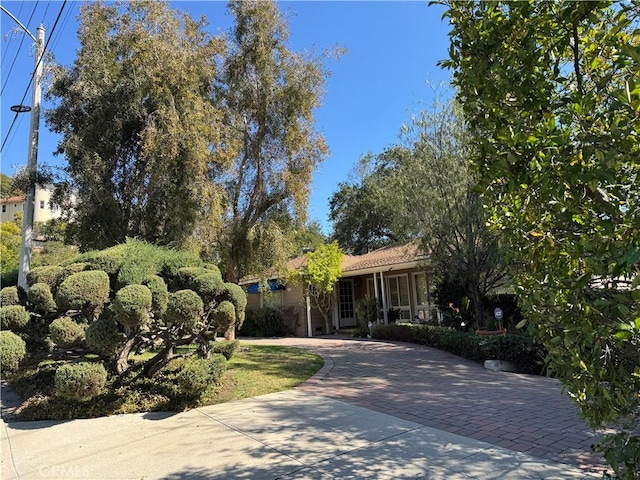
{"points": [[383, 257], [12, 199]]}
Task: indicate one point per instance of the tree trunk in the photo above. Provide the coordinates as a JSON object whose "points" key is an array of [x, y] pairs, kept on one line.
{"points": [[155, 364], [230, 334], [122, 360]]}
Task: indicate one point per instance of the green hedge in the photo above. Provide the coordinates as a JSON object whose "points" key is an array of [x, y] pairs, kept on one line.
{"points": [[41, 299], [264, 322], [225, 348], [198, 374], [88, 290], [9, 296], [14, 317], [65, 332], [521, 350]]}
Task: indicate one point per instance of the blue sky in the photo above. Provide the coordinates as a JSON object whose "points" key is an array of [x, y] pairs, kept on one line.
{"points": [[392, 53]]}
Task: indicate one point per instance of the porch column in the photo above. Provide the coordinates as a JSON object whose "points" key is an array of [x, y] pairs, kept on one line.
{"points": [[385, 315], [336, 311], [376, 294], [310, 331]]}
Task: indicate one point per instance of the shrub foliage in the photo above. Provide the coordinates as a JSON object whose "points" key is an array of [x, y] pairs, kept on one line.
{"points": [[12, 350]]}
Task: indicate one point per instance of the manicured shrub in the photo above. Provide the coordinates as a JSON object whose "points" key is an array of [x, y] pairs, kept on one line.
{"points": [[9, 296], [65, 332], [223, 316], [208, 286], [141, 259], [225, 348], [13, 317], [80, 381], [131, 305], [103, 336], [72, 268], [198, 374], [159, 294], [264, 322], [49, 274], [185, 309], [186, 275], [109, 260], [236, 295], [87, 291], [174, 261], [41, 299], [12, 350]]}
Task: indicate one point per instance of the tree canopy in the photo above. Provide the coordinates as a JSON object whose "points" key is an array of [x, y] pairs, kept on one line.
{"points": [[550, 93], [268, 94]]}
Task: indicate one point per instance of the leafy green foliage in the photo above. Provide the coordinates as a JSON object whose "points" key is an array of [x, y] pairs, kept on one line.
{"points": [[9, 296], [132, 305], [185, 309], [14, 317], [86, 291], [223, 316], [225, 348], [40, 298], [12, 350], [120, 109], [80, 381], [103, 335], [65, 332], [47, 274], [318, 277], [264, 322], [199, 374], [10, 240], [550, 92], [269, 95], [159, 294]]}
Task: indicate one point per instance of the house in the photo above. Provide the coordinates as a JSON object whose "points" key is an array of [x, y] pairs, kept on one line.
{"points": [[42, 210], [398, 277]]}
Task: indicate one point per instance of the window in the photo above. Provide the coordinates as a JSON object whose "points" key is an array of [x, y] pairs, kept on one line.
{"points": [[41, 204], [424, 302], [4, 208], [398, 295]]}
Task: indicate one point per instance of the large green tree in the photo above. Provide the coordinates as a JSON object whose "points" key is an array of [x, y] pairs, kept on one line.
{"points": [[268, 94], [138, 125], [550, 91]]}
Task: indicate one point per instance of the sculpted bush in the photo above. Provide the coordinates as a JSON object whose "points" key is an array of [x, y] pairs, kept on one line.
{"points": [[80, 381], [159, 294], [198, 374], [185, 309], [9, 296], [132, 305], [65, 332], [12, 350], [40, 299], [104, 337], [49, 274], [14, 317], [86, 291]]}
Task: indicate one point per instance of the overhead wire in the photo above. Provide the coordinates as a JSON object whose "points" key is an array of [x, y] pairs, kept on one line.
{"points": [[19, 48], [44, 51]]}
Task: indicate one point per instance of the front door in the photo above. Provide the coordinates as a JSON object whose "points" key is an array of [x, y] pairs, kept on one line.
{"points": [[345, 304]]}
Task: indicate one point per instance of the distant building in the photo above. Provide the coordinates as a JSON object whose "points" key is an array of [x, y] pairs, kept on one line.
{"points": [[42, 210]]}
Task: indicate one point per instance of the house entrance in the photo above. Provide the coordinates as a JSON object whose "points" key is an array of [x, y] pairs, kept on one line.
{"points": [[345, 304]]}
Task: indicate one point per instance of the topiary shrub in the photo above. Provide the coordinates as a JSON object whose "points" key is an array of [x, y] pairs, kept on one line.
{"points": [[9, 296], [41, 299], [103, 336], [174, 261], [80, 381], [159, 294], [87, 291], [222, 317], [65, 332], [186, 275], [236, 295], [198, 374], [12, 350], [185, 309], [131, 305], [109, 260], [49, 274], [225, 348], [208, 286], [72, 268], [14, 317]]}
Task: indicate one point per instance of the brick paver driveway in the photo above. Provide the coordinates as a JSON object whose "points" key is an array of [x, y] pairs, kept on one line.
{"points": [[525, 413]]}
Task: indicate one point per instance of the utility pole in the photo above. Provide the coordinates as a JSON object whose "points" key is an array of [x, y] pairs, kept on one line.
{"points": [[32, 163]]}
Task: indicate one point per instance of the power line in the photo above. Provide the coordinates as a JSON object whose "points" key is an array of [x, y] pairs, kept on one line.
{"points": [[19, 47], [44, 51]]}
